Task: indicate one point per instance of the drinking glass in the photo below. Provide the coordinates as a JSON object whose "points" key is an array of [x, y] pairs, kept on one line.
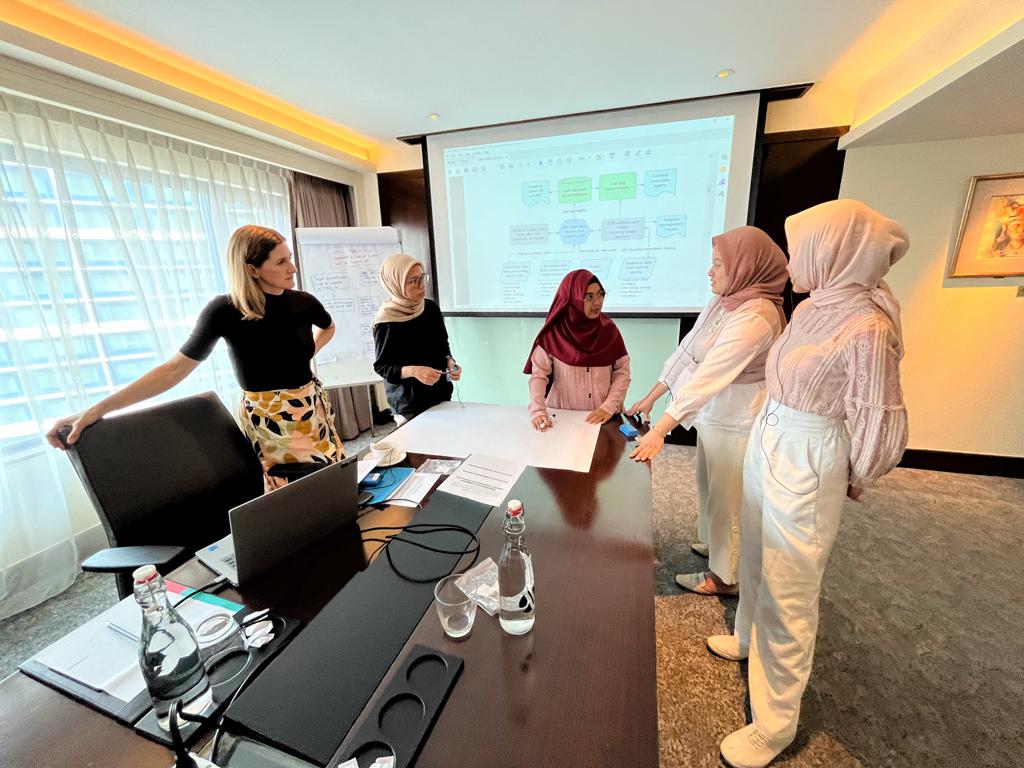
{"points": [[455, 610]]}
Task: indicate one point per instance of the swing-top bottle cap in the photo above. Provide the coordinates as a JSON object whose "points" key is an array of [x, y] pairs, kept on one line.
{"points": [[514, 508], [144, 574]]}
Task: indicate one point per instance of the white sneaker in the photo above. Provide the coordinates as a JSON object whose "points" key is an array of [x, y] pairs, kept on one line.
{"points": [[700, 548], [726, 647], [747, 748]]}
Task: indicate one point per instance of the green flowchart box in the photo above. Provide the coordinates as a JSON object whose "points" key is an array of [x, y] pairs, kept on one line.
{"points": [[575, 190], [618, 186]]}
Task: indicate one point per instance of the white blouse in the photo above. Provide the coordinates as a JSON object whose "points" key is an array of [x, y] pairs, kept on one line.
{"points": [[716, 376]]}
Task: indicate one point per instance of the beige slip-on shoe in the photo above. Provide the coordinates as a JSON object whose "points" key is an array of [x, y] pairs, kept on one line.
{"points": [[726, 647], [747, 748], [702, 584]]}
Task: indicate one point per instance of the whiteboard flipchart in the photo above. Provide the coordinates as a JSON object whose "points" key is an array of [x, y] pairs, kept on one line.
{"points": [[341, 267]]}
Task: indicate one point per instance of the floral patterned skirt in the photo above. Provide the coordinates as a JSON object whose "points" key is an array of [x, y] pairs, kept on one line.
{"points": [[290, 425]]}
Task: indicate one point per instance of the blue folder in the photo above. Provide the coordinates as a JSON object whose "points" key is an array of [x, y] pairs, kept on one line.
{"points": [[391, 478]]}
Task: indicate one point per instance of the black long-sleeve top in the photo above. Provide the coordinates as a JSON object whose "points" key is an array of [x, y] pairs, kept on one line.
{"points": [[267, 354], [420, 341]]}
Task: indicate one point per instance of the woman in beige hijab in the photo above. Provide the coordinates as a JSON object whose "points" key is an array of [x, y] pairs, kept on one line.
{"points": [[834, 422], [412, 352]]}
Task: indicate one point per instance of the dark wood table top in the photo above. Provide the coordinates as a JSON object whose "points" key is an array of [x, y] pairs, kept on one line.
{"points": [[579, 689]]}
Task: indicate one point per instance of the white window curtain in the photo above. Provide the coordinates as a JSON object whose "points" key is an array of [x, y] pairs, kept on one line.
{"points": [[112, 239]]}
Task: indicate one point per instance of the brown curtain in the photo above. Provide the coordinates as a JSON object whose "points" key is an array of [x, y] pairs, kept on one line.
{"points": [[321, 203]]}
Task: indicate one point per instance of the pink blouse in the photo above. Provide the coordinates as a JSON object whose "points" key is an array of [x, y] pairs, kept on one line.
{"points": [[842, 362], [577, 387]]}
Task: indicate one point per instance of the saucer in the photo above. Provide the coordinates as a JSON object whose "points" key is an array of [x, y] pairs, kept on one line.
{"points": [[395, 457]]}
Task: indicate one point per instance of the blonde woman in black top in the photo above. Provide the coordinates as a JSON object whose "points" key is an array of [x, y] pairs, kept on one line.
{"points": [[272, 332]]}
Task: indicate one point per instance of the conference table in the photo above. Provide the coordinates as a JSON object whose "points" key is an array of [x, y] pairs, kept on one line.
{"points": [[578, 690]]}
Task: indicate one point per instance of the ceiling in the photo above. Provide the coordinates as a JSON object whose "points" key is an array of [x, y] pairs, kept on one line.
{"points": [[984, 101], [379, 67]]}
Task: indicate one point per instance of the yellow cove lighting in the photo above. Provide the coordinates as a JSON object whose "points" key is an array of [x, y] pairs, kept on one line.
{"points": [[81, 31]]}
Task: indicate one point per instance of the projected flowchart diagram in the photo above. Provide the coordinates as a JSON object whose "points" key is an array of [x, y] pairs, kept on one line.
{"points": [[574, 231], [617, 224], [636, 206]]}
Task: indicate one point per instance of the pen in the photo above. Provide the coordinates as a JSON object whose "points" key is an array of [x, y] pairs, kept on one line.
{"points": [[122, 632]]}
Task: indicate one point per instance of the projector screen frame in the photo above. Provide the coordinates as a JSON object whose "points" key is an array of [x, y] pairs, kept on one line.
{"points": [[766, 96]]}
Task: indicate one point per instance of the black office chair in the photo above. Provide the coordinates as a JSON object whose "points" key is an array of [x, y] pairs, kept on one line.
{"points": [[162, 481]]}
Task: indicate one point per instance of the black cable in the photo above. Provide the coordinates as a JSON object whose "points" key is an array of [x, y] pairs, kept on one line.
{"points": [[241, 686], [423, 529], [375, 552], [220, 580]]}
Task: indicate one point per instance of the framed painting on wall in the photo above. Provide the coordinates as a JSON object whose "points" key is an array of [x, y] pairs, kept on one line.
{"points": [[991, 238]]}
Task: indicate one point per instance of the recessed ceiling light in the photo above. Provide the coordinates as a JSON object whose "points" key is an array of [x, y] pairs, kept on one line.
{"points": [[433, 116], [725, 72]]}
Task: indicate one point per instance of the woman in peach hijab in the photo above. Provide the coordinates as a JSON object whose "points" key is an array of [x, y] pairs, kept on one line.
{"points": [[833, 423], [716, 377]]}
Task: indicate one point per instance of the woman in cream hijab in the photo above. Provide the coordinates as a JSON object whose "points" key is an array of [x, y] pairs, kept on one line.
{"points": [[412, 352], [834, 422]]}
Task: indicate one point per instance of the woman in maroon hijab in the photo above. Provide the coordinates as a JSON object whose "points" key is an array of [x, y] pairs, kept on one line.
{"points": [[579, 360]]}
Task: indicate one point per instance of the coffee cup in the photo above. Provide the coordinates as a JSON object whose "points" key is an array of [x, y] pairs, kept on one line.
{"points": [[382, 449]]}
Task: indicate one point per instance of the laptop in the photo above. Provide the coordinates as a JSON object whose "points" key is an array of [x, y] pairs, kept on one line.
{"points": [[278, 524]]}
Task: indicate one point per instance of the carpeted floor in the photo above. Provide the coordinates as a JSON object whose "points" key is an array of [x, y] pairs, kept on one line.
{"points": [[918, 660]]}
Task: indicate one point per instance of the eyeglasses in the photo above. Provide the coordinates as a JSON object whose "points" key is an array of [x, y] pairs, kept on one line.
{"points": [[590, 298], [418, 281]]}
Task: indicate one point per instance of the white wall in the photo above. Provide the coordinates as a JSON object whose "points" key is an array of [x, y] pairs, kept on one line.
{"points": [[963, 374]]}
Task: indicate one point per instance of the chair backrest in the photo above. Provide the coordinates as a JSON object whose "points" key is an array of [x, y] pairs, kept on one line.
{"points": [[167, 474]]}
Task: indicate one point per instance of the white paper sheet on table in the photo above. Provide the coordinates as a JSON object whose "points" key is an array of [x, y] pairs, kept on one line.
{"points": [[411, 492], [502, 431], [487, 479], [101, 658]]}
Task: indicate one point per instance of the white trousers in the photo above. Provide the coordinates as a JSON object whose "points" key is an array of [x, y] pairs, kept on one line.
{"points": [[795, 476], [720, 494]]}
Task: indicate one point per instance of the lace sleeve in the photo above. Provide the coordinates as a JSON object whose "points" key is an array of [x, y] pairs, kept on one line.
{"points": [[875, 412]]}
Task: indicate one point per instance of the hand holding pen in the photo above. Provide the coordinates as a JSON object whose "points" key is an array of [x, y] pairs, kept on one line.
{"points": [[543, 422]]}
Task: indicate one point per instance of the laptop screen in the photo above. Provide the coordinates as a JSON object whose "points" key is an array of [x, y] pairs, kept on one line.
{"points": [[278, 524]]}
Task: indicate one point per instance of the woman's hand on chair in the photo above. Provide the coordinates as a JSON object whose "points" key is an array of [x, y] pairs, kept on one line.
{"points": [[77, 424], [598, 416]]}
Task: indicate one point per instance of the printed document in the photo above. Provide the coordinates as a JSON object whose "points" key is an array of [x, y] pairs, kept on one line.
{"points": [[487, 479]]}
